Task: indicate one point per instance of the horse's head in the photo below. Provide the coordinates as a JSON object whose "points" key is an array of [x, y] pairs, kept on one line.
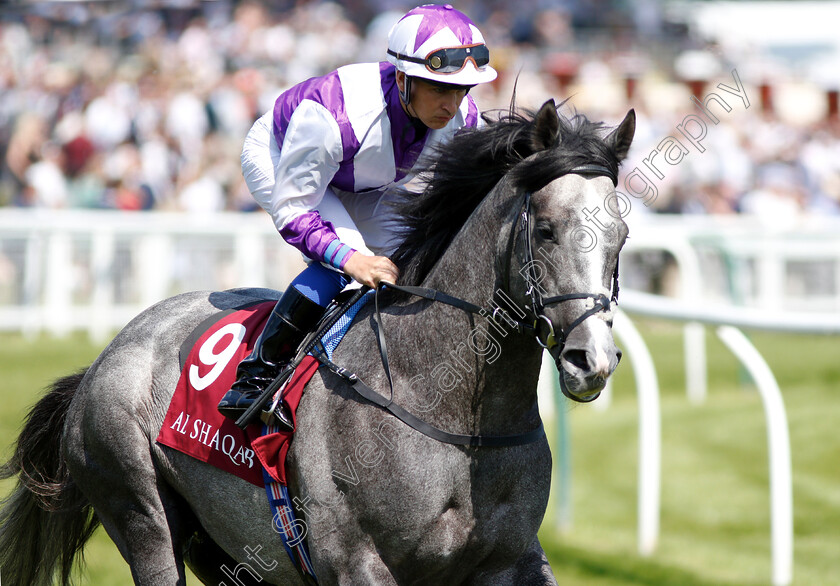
{"points": [[574, 231], [561, 247]]}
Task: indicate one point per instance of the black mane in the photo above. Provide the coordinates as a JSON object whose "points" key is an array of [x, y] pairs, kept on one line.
{"points": [[462, 172]]}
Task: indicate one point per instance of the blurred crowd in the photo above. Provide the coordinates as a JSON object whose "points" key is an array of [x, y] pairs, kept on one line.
{"points": [[144, 105]]}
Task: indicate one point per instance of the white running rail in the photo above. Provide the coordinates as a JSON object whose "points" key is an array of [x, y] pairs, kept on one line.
{"points": [[728, 320]]}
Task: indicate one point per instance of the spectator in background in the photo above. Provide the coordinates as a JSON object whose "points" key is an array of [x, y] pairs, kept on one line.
{"points": [[44, 183], [28, 137], [779, 196], [182, 84]]}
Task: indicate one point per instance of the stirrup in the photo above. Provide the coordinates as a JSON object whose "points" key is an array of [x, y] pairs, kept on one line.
{"points": [[278, 415]]}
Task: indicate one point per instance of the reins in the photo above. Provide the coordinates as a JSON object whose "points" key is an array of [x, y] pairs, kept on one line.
{"points": [[405, 416]]}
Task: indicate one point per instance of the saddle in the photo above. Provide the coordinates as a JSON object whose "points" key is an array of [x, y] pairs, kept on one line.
{"points": [[208, 360]]}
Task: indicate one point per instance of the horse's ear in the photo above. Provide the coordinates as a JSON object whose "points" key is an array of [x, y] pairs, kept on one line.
{"points": [[546, 127], [621, 138]]}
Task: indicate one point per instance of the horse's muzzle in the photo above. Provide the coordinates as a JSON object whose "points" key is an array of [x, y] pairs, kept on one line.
{"points": [[584, 368]]}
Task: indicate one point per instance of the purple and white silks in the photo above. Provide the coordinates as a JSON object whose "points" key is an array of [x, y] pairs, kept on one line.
{"points": [[435, 19], [344, 136]]}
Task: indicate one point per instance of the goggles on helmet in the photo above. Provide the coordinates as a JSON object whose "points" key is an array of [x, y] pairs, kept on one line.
{"points": [[451, 60]]}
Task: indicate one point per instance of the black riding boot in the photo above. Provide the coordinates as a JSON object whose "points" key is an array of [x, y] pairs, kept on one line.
{"points": [[290, 320]]}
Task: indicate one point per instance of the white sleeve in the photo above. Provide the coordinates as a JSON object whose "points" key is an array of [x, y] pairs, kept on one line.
{"points": [[309, 159]]}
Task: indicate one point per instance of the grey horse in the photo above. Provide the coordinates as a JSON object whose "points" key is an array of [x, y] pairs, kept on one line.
{"points": [[504, 223]]}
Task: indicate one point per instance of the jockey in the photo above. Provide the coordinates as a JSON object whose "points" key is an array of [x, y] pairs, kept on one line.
{"points": [[330, 155]]}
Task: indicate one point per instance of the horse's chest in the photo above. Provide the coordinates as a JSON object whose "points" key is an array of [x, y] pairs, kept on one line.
{"points": [[497, 493]]}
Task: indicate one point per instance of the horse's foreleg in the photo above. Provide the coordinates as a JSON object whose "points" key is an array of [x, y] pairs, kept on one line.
{"points": [[349, 558], [367, 569], [531, 568]]}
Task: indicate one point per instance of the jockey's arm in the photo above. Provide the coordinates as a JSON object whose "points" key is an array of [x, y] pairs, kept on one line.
{"points": [[306, 161]]}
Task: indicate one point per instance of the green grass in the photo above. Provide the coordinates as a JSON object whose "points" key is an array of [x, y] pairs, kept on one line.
{"points": [[715, 520], [27, 367], [715, 509]]}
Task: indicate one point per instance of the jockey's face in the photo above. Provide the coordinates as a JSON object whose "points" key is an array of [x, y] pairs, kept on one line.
{"points": [[434, 104]]}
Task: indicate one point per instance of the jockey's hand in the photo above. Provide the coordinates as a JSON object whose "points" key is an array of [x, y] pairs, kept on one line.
{"points": [[371, 270]]}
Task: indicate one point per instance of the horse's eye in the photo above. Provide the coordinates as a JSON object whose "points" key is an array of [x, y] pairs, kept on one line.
{"points": [[545, 232]]}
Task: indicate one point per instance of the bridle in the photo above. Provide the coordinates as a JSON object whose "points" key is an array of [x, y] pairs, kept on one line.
{"points": [[549, 340], [545, 334]]}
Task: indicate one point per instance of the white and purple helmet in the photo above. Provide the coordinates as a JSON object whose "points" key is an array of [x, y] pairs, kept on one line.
{"points": [[441, 44]]}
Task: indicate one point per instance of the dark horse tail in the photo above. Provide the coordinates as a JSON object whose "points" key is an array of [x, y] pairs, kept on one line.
{"points": [[46, 521]]}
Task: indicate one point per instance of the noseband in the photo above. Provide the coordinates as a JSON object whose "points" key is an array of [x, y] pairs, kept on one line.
{"points": [[549, 339]]}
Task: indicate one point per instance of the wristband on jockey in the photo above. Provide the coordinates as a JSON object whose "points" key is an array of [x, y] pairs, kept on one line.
{"points": [[337, 254]]}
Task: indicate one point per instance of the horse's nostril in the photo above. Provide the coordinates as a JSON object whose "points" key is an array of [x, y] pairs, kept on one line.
{"points": [[577, 358]]}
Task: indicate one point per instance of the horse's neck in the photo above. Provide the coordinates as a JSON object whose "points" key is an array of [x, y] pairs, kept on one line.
{"points": [[499, 366]]}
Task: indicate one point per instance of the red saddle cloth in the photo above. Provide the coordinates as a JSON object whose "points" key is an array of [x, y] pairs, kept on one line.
{"points": [[208, 368]]}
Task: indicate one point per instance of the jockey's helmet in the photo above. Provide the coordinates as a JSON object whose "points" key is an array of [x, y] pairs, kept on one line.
{"points": [[441, 44]]}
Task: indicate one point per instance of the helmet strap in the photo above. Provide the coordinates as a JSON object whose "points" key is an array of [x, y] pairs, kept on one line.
{"points": [[405, 93], [405, 96]]}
